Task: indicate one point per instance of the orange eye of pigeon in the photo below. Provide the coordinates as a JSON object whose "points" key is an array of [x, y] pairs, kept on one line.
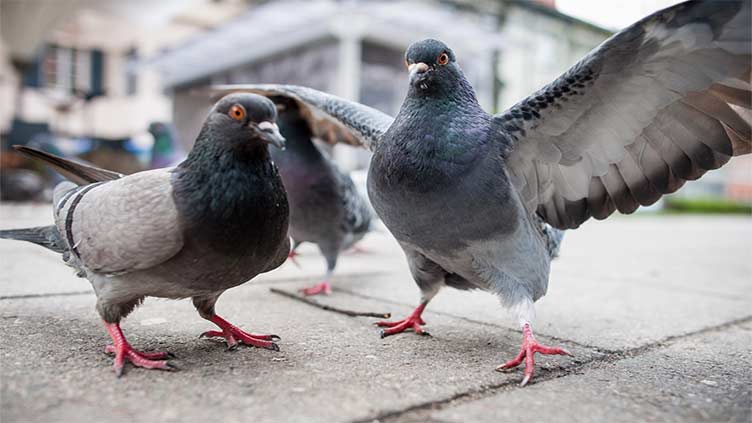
{"points": [[237, 112], [443, 59]]}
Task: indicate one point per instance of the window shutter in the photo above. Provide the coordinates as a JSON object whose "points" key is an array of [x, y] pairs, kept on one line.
{"points": [[32, 75], [97, 73]]}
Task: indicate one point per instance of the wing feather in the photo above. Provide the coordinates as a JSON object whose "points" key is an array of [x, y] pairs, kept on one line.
{"points": [[331, 118], [123, 225], [657, 104]]}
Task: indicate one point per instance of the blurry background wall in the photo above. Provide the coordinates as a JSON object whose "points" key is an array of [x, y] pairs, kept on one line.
{"points": [[120, 82]]}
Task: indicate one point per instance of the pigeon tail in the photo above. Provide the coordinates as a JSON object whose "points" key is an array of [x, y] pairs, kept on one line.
{"points": [[554, 237], [79, 173], [46, 236]]}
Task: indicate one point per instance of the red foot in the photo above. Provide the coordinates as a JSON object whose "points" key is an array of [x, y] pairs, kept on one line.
{"points": [[291, 256], [413, 321], [357, 249], [527, 352], [321, 288], [123, 351], [234, 335]]}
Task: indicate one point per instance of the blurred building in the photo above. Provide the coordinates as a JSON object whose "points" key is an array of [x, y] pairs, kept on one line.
{"points": [[355, 49], [107, 70], [73, 73]]}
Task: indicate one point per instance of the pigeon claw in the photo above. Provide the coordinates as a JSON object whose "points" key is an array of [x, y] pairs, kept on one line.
{"points": [[234, 336], [357, 249], [146, 360], [413, 321], [124, 352], [291, 256], [321, 288], [527, 354]]}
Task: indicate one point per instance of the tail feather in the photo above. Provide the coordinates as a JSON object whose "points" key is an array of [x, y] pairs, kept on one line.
{"points": [[46, 236], [80, 173]]}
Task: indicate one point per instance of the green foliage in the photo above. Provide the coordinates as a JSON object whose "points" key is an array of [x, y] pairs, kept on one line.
{"points": [[706, 205]]}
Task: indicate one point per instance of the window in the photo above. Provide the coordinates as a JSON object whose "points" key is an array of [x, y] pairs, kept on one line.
{"points": [[131, 72], [72, 71]]}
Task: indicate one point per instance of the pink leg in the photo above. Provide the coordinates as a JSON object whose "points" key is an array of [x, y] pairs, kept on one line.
{"points": [[529, 347], [291, 256], [320, 288], [123, 351], [413, 321], [234, 335], [357, 249]]}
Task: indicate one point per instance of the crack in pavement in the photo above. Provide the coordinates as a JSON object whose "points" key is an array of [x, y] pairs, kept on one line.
{"points": [[52, 294], [479, 322], [490, 390], [270, 281]]}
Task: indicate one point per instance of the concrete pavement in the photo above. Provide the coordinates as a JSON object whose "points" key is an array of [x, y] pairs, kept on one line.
{"points": [[655, 308]]}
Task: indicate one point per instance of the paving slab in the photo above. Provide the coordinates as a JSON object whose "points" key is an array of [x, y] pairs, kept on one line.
{"points": [[689, 289], [702, 378], [611, 316], [331, 367], [705, 254], [604, 295]]}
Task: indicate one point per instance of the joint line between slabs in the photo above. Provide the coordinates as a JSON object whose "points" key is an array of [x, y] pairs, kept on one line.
{"points": [[52, 294], [487, 391], [479, 322]]}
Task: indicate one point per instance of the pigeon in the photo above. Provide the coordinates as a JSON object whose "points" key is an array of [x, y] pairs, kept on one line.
{"points": [[213, 222], [21, 185], [479, 201], [325, 206], [166, 150]]}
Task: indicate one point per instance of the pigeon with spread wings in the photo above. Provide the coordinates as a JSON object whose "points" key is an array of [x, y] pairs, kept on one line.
{"points": [[479, 201], [213, 222]]}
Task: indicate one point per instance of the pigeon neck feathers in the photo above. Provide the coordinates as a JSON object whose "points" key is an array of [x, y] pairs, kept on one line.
{"points": [[437, 136], [451, 88], [446, 116], [229, 197]]}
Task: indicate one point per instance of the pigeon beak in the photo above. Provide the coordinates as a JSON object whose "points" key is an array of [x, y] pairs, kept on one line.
{"points": [[417, 70], [270, 133]]}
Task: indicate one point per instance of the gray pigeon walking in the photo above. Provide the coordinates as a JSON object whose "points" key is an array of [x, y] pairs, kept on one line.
{"points": [[213, 222], [477, 201], [325, 207]]}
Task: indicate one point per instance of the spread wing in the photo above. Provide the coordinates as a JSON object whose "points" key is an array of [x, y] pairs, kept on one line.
{"points": [[120, 226], [657, 104], [332, 119]]}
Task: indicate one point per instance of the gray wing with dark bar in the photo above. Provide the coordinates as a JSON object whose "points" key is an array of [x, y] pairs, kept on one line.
{"points": [[120, 226]]}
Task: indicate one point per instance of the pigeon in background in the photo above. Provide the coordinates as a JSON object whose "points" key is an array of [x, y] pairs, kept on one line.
{"points": [[477, 201], [166, 149], [213, 222], [325, 207], [21, 185]]}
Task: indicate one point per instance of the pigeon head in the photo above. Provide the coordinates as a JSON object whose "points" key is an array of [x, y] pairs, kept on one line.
{"points": [[433, 67], [244, 118]]}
